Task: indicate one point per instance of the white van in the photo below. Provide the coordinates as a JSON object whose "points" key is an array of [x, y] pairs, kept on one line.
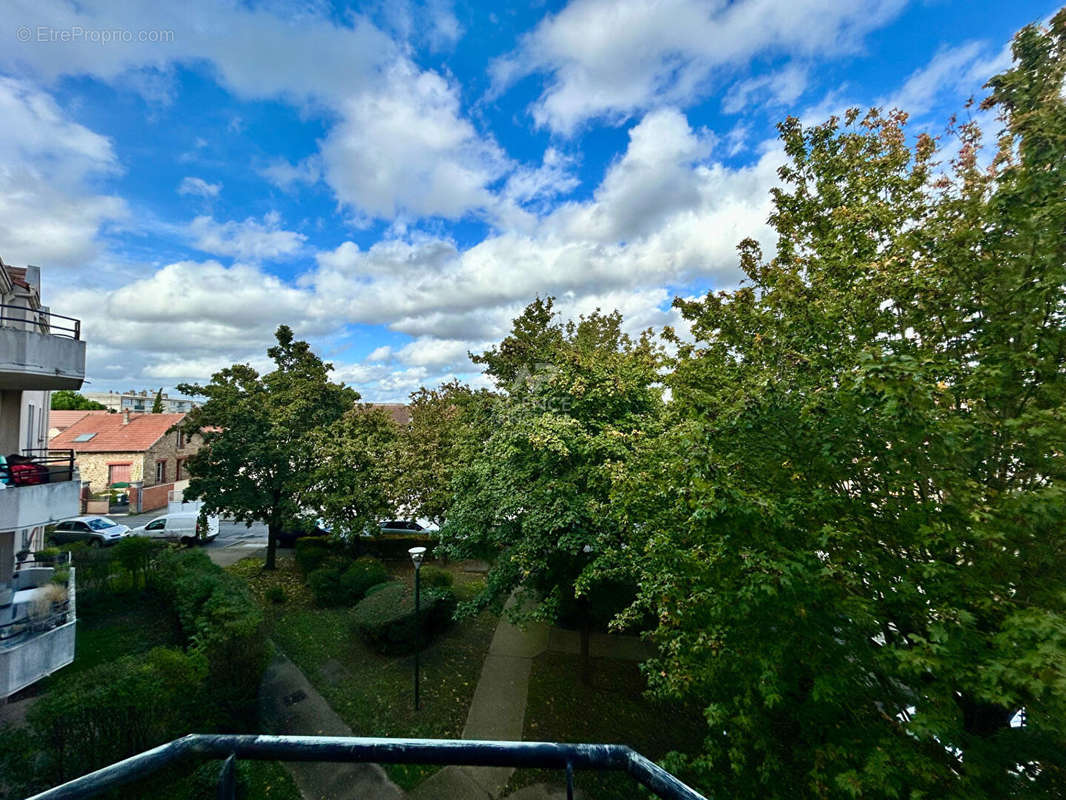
{"points": [[178, 528]]}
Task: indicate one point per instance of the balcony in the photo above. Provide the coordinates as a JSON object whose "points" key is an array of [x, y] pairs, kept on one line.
{"points": [[39, 489], [40, 350], [36, 628]]}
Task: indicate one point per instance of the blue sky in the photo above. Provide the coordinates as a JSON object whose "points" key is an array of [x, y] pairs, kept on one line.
{"points": [[396, 180]]}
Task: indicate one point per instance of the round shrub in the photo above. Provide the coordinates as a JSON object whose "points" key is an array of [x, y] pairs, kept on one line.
{"points": [[276, 594], [385, 619], [311, 553], [325, 585], [361, 576], [436, 576]]}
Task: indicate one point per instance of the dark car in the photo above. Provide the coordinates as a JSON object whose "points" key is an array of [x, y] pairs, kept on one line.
{"points": [[298, 529]]}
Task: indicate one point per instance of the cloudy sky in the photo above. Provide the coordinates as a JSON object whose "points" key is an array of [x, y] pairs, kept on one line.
{"points": [[396, 180]]}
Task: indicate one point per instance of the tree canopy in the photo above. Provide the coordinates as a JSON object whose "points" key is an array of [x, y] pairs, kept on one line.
{"points": [[69, 400], [258, 460], [851, 531]]}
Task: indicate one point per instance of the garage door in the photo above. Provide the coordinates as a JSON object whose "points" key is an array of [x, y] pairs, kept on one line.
{"points": [[118, 473]]}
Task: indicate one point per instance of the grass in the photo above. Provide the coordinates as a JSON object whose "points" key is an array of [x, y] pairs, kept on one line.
{"points": [[614, 710], [373, 693]]}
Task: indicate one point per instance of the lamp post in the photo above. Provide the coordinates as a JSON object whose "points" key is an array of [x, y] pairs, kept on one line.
{"points": [[417, 554]]}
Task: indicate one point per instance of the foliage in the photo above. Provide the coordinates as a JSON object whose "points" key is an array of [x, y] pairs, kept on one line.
{"points": [[69, 400], [116, 709], [361, 576], [137, 556], [850, 531], [221, 621], [355, 468], [325, 585], [443, 421], [436, 576], [534, 491], [258, 460], [157, 404], [393, 547], [276, 594], [386, 619], [312, 552]]}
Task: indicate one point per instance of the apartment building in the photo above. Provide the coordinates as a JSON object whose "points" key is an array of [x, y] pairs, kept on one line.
{"points": [[40, 351], [141, 401]]}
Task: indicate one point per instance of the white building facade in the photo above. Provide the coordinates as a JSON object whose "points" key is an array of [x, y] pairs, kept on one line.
{"points": [[40, 352]]}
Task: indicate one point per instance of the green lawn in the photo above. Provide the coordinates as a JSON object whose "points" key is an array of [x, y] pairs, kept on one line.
{"points": [[613, 710], [372, 693]]}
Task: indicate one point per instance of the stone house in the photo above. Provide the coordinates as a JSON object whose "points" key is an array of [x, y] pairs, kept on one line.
{"points": [[135, 449]]}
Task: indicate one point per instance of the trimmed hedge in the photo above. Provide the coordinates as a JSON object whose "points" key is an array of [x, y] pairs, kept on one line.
{"points": [[436, 576], [312, 552], [333, 586], [394, 548], [385, 619]]}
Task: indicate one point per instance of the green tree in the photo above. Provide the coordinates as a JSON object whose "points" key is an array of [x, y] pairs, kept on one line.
{"points": [[69, 400], [851, 531], [258, 459], [533, 488], [157, 404], [356, 463], [443, 422]]}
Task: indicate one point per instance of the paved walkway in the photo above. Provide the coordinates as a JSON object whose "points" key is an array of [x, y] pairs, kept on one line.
{"points": [[288, 703]]}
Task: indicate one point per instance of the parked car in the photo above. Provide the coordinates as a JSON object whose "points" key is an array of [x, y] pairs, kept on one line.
{"points": [[184, 528], [406, 526], [298, 529], [96, 531]]}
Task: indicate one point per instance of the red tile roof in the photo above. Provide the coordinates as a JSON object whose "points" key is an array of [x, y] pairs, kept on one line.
{"points": [[61, 420], [112, 436]]}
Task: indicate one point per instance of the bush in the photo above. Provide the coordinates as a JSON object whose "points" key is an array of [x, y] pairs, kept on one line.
{"points": [[137, 556], [276, 594], [436, 576], [394, 548], [325, 585], [311, 553], [361, 576], [385, 619], [117, 709]]}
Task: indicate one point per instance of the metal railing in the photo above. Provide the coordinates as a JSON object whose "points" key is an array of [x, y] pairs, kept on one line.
{"points": [[12, 316], [58, 614], [54, 466], [348, 749]]}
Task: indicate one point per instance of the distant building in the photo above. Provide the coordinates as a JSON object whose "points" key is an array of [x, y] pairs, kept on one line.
{"points": [[143, 400], [400, 413]]}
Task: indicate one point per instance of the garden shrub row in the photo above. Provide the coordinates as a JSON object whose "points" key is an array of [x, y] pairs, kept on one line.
{"points": [[336, 586], [385, 619], [126, 706]]}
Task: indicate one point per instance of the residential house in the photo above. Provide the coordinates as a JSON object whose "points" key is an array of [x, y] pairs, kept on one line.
{"points": [[139, 451], [143, 400], [400, 412], [59, 421], [40, 351]]}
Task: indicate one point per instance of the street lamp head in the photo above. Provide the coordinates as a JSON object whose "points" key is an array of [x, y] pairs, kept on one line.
{"points": [[417, 553]]}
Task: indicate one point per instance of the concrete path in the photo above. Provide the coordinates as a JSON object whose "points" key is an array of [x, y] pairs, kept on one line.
{"points": [[288, 703]]}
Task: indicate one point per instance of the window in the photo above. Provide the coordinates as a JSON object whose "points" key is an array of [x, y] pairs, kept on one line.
{"points": [[181, 439], [31, 410], [100, 524], [84, 437], [160, 471], [177, 468], [156, 525]]}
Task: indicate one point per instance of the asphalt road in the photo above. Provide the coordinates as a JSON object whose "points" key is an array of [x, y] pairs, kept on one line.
{"points": [[235, 539]]}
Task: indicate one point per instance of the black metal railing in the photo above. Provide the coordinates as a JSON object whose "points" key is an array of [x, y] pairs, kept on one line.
{"points": [[37, 465], [42, 321], [346, 749]]}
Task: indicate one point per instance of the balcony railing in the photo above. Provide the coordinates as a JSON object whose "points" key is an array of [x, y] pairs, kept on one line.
{"points": [[36, 466], [40, 321], [567, 758]]}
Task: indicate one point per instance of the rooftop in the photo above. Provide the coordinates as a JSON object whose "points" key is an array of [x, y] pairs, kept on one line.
{"points": [[111, 435]]}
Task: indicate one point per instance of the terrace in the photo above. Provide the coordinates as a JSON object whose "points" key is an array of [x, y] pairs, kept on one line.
{"points": [[39, 349]]}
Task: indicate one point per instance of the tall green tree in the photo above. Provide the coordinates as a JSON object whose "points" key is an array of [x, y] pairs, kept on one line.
{"points": [[258, 461], [357, 462], [69, 400], [851, 532], [444, 421], [157, 404], [533, 488]]}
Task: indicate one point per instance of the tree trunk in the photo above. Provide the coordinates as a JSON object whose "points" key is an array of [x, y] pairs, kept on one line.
{"points": [[272, 545]]}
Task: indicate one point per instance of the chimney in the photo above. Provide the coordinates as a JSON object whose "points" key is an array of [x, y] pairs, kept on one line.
{"points": [[126, 417]]}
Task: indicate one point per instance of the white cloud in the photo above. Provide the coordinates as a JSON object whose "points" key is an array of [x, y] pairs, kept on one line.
{"points": [[954, 73], [612, 58], [781, 88], [406, 149], [198, 187], [250, 239], [285, 175], [49, 212]]}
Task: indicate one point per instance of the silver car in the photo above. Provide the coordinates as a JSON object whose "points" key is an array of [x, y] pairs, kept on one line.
{"points": [[96, 531]]}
